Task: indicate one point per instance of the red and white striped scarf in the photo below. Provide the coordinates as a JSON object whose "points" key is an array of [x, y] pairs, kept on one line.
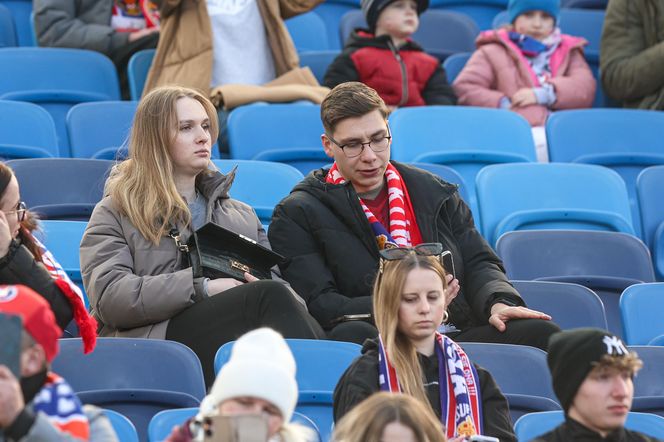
{"points": [[404, 231]]}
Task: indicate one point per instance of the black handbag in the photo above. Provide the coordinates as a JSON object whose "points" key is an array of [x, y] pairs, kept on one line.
{"points": [[216, 252]]}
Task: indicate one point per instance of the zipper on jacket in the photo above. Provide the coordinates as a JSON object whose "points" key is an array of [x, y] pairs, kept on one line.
{"points": [[404, 74]]}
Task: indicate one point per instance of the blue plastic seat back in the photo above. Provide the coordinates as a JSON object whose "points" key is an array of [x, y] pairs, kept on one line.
{"points": [[586, 23], [481, 11], [649, 185], [455, 64], [532, 425], [137, 72], [585, 4], [641, 307], [61, 188], [26, 131], [318, 62], [308, 32], [249, 183], [124, 429], [648, 381], [332, 11], [98, 130], [161, 425], [570, 305], [21, 11], [605, 262], [351, 20], [7, 28], [57, 78], [530, 376], [440, 33], [558, 196], [448, 174], [625, 140], [266, 132]]}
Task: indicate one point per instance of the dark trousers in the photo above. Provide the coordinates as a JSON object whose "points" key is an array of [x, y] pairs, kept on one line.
{"points": [[122, 55], [533, 332], [224, 317]]}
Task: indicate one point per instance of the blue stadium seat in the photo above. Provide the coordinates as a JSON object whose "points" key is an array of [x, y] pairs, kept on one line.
{"points": [[455, 64], [625, 140], [449, 135], [137, 72], [649, 184], [532, 425], [448, 174], [641, 307], [308, 32], [26, 131], [124, 429], [266, 132], [97, 130], [481, 11], [526, 384], [161, 425], [61, 188], [605, 262], [585, 4], [7, 28], [320, 364], [318, 62], [558, 196], [570, 305], [657, 341], [56, 79], [332, 11], [249, 184], [21, 11], [441, 33], [648, 385], [135, 377]]}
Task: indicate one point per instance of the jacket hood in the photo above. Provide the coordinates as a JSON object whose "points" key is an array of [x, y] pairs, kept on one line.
{"points": [[363, 38], [501, 36], [214, 185]]}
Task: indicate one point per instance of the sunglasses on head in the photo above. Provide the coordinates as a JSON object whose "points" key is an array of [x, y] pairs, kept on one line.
{"points": [[424, 249]]}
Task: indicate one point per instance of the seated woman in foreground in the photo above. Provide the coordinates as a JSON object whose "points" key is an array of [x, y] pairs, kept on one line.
{"points": [[412, 357]]}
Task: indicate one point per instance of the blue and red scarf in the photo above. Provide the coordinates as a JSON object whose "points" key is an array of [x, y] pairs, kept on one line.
{"points": [[460, 396], [404, 231], [62, 407]]}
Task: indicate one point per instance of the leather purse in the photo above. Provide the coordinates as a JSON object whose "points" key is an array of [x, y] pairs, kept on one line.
{"points": [[216, 252]]}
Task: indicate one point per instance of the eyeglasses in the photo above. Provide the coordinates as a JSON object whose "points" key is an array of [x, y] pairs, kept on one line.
{"points": [[355, 148], [398, 253], [20, 210]]}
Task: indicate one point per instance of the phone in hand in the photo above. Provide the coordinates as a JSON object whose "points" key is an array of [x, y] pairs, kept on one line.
{"points": [[10, 350], [241, 428], [448, 263]]}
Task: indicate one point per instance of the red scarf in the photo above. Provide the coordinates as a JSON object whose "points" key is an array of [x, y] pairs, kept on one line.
{"points": [[404, 231]]}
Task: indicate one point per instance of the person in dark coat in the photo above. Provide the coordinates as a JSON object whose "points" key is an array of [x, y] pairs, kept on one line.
{"points": [[385, 58], [592, 373], [410, 356], [334, 223]]}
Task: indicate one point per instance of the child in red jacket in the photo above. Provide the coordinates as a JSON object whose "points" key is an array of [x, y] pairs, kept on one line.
{"points": [[528, 67], [386, 59]]}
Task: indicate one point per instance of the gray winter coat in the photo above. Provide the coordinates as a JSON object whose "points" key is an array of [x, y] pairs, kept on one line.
{"points": [[83, 24], [134, 286]]}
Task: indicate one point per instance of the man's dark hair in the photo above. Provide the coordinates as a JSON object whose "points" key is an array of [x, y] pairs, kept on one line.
{"points": [[349, 100]]}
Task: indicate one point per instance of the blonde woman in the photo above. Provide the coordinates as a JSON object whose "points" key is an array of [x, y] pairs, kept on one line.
{"points": [[134, 273], [386, 417], [412, 357]]}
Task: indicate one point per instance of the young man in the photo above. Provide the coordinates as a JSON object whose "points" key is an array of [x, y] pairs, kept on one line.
{"points": [[41, 406], [333, 224], [592, 374], [386, 59]]}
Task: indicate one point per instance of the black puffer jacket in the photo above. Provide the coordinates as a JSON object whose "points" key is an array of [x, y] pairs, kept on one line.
{"points": [[571, 430], [361, 380], [333, 256], [20, 267]]}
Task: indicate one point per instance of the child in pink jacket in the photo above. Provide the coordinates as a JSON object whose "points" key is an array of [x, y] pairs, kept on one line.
{"points": [[528, 67]]}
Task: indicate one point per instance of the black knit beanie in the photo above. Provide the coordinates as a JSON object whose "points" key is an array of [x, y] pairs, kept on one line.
{"points": [[572, 354], [373, 8]]}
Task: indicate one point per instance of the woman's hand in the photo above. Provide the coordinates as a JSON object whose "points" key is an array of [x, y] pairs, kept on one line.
{"points": [[5, 235], [216, 286], [452, 289], [501, 313], [524, 97]]}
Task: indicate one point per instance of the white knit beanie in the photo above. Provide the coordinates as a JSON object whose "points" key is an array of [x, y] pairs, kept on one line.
{"points": [[262, 366]]}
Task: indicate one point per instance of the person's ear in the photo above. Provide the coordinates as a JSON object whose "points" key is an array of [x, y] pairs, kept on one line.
{"points": [[33, 360], [327, 146]]}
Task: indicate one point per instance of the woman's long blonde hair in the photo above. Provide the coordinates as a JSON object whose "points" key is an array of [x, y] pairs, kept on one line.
{"points": [[142, 187], [366, 421], [386, 302]]}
